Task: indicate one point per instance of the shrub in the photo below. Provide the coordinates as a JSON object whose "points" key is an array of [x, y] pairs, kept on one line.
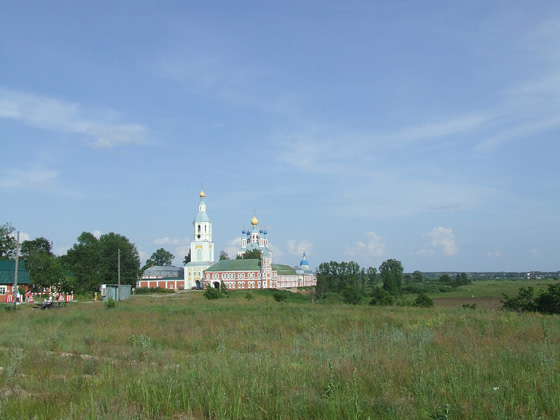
{"points": [[249, 296], [149, 290], [111, 303], [280, 295], [423, 301], [547, 302], [381, 297], [351, 295], [212, 293]]}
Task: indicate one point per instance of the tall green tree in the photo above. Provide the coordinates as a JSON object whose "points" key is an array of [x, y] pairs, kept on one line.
{"points": [[391, 274], [224, 255], [160, 257], [187, 258], [253, 254], [110, 244], [8, 242], [371, 277], [43, 266], [418, 277], [84, 262]]}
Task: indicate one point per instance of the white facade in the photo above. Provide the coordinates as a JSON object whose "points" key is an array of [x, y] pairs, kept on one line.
{"points": [[202, 247]]}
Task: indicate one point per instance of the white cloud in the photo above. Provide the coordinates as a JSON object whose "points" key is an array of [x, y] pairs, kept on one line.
{"points": [[22, 236], [441, 238], [295, 248], [43, 112], [374, 247], [232, 247], [97, 233], [35, 178], [535, 252]]}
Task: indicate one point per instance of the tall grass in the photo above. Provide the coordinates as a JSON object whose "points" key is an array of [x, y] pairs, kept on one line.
{"points": [[184, 357]]}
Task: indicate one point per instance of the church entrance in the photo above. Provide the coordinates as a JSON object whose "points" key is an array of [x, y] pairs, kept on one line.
{"points": [[217, 284], [198, 284]]}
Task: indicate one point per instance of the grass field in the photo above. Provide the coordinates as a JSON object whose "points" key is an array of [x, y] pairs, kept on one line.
{"points": [[183, 357]]}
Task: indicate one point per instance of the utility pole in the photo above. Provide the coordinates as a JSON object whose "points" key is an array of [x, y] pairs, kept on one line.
{"points": [[119, 276], [15, 286]]}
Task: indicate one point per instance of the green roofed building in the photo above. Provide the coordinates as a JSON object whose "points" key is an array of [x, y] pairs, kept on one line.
{"points": [[7, 277], [258, 273]]}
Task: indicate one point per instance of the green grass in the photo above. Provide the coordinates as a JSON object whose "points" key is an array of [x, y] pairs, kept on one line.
{"points": [[494, 288], [184, 357]]}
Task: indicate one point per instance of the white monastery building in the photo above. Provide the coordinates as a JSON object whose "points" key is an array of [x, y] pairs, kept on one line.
{"points": [[202, 271]]}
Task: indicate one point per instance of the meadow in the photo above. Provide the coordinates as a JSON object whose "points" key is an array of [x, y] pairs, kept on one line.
{"points": [[184, 357]]}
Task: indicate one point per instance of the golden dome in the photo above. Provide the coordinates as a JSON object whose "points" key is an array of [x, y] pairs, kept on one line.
{"points": [[202, 193], [254, 221]]}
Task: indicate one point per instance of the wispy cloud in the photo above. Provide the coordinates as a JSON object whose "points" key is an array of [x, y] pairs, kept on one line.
{"points": [[372, 247], [441, 239], [35, 178], [298, 248], [53, 114]]}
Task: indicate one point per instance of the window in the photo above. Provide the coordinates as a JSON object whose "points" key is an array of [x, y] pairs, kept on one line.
{"points": [[3, 290]]}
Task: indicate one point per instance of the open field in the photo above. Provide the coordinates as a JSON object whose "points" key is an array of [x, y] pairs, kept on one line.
{"points": [[183, 357]]}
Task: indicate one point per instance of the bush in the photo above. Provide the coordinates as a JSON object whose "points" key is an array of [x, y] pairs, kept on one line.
{"points": [[547, 302], [280, 295], [111, 303], [351, 295], [149, 290], [423, 301], [249, 296], [381, 297], [212, 293]]}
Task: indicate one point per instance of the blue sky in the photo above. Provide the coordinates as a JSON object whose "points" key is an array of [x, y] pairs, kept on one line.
{"points": [[359, 130]]}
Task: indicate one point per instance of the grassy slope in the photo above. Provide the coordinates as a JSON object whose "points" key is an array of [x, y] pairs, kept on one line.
{"points": [[185, 357]]}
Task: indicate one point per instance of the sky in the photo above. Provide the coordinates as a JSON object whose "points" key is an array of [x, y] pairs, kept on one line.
{"points": [[427, 132]]}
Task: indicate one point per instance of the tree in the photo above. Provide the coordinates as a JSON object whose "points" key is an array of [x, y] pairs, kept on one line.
{"points": [[8, 242], [423, 301], [381, 297], [445, 279], [160, 257], [94, 261], [187, 258], [372, 277], [43, 266], [253, 254], [84, 262], [391, 274], [351, 295], [110, 245], [418, 277], [224, 255]]}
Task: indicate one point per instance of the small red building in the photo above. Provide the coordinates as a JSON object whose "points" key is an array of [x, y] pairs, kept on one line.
{"points": [[7, 276]]}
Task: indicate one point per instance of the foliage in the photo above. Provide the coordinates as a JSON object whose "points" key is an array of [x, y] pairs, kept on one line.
{"points": [[445, 279], [94, 261], [160, 258], [224, 255], [334, 277], [280, 295], [417, 277], [187, 258], [381, 297], [547, 302], [45, 269], [213, 293], [8, 242], [249, 296], [391, 275], [351, 295], [424, 301], [252, 254], [111, 303], [151, 290]]}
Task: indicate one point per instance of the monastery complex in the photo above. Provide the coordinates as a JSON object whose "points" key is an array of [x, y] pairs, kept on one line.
{"points": [[203, 271]]}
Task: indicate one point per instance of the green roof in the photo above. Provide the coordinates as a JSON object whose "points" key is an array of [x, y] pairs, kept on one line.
{"points": [[7, 272], [235, 265], [283, 269]]}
